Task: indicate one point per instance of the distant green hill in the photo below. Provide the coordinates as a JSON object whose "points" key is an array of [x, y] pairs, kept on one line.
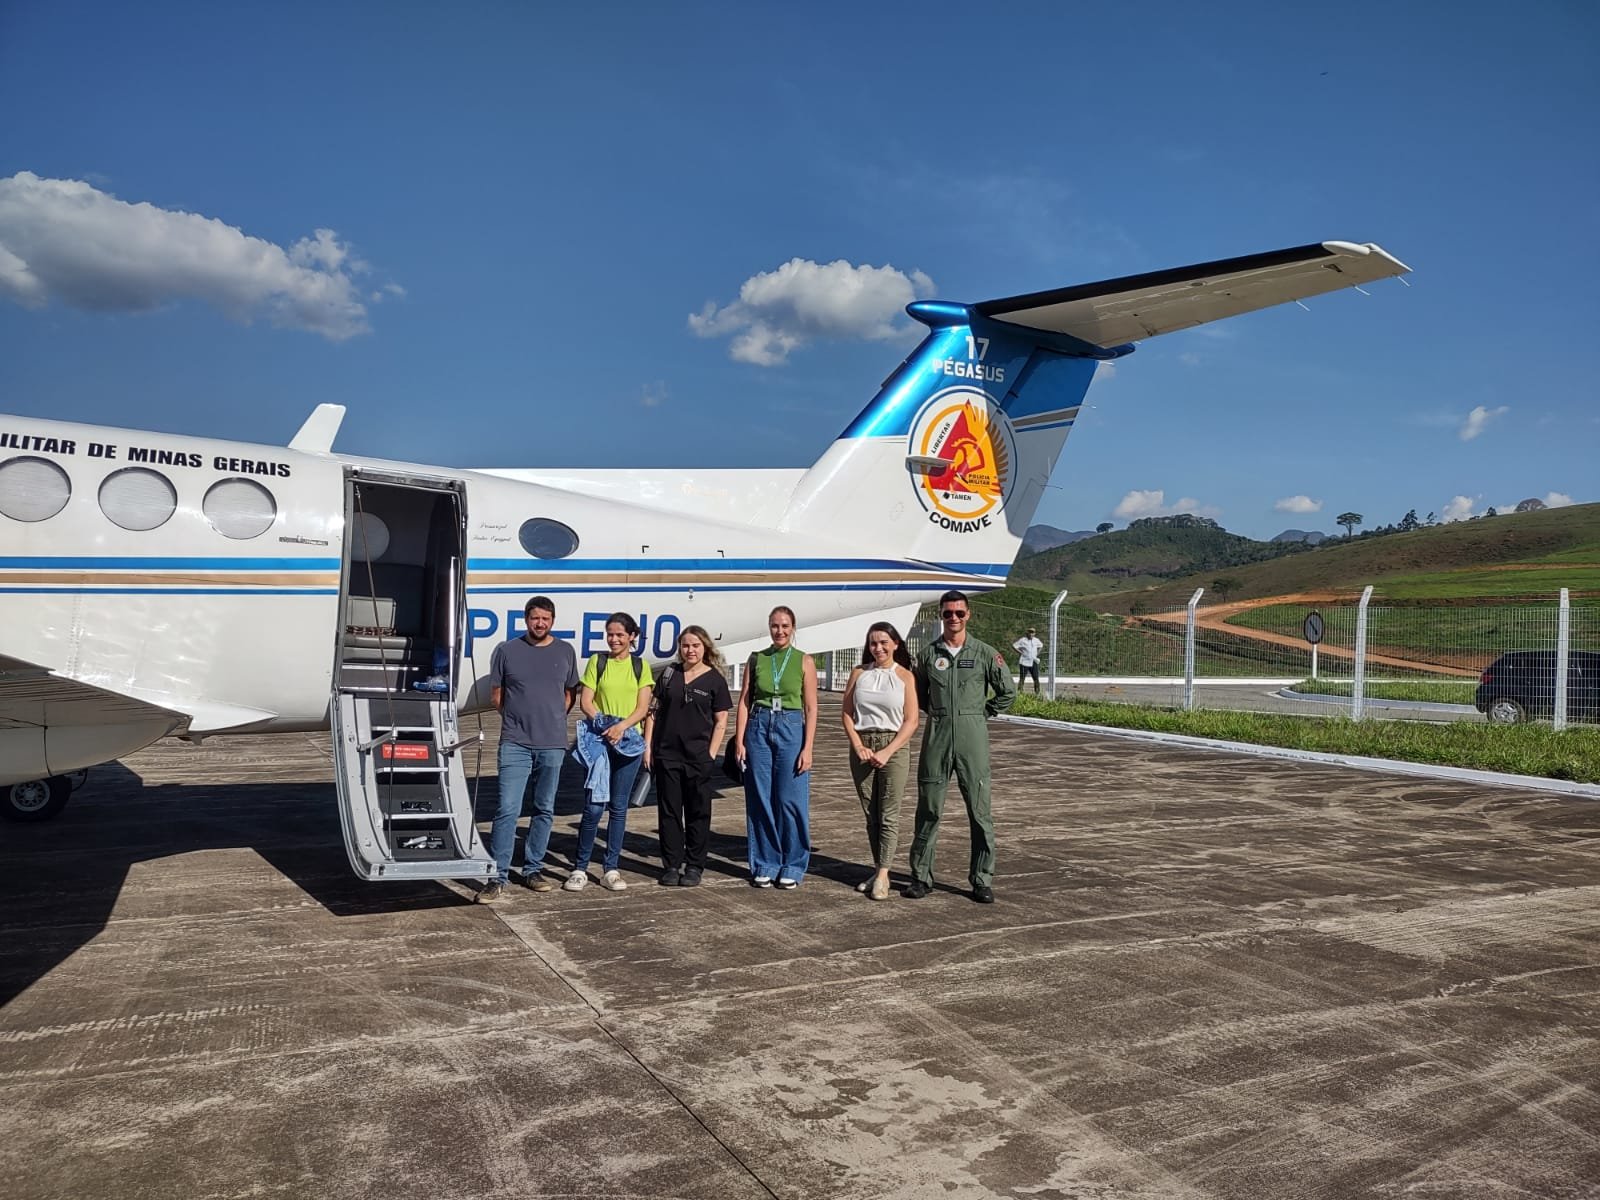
{"points": [[1148, 552], [1517, 554]]}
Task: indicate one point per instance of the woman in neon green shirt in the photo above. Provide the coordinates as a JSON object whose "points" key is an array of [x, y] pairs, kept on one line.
{"points": [[615, 688]]}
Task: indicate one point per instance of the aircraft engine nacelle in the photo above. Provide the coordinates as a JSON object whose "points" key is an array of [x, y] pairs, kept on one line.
{"points": [[35, 753]]}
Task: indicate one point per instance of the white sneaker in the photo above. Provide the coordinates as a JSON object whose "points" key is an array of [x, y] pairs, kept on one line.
{"points": [[613, 881], [576, 882]]}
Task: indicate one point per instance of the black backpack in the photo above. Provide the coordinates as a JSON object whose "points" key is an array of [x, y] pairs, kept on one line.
{"points": [[600, 661]]}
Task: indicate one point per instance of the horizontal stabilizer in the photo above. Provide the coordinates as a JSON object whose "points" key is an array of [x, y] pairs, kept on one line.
{"points": [[1116, 311]]}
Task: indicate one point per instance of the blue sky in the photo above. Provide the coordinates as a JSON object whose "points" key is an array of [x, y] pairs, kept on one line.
{"points": [[529, 203]]}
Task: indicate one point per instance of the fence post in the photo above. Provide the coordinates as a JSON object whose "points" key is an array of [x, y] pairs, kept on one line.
{"points": [[1358, 687], [1055, 624], [1563, 644], [1188, 652]]}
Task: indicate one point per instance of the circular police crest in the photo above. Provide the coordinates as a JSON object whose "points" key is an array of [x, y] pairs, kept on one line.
{"points": [[966, 430]]}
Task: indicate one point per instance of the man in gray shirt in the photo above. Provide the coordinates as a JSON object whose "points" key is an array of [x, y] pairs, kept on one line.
{"points": [[533, 681]]}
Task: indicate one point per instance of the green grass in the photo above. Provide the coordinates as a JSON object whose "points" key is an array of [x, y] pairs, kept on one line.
{"points": [[1454, 635], [1546, 581], [1573, 754], [1429, 690]]}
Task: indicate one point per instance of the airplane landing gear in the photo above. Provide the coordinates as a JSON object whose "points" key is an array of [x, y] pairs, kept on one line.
{"points": [[36, 799]]}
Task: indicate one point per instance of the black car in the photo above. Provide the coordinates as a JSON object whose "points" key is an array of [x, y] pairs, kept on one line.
{"points": [[1522, 684]]}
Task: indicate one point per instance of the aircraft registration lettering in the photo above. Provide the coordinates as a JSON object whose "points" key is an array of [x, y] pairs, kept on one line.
{"points": [[658, 636]]}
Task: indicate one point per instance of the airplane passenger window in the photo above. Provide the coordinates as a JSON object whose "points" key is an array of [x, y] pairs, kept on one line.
{"points": [[369, 537], [32, 489], [544, 538], [138, 498], [239, 508]]}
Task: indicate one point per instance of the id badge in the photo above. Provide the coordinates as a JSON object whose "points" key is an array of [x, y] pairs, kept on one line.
{"points": [[777, 705]]}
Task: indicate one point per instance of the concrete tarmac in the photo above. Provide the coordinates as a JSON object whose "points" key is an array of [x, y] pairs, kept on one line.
{"points": [[1207, 975]]}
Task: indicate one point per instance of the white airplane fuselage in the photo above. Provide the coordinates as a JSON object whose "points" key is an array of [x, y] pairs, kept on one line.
{"points": [[157, 583]]}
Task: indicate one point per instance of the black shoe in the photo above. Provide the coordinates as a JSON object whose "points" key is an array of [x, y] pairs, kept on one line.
{"points": [[669, 877], [490, 893], [982, 894], [690, 877], [918, 890]]}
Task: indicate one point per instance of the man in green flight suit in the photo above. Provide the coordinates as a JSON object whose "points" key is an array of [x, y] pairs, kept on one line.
{"points": [[954, 678]]}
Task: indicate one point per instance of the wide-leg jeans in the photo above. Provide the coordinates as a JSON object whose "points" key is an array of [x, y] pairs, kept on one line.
{"points": [[777, 802]]}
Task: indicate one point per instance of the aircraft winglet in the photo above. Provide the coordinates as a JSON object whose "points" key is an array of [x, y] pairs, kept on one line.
{"points": [[321, 427]]}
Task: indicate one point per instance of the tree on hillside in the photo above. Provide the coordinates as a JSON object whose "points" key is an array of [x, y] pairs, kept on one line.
{"points": [[1531, 504], [1104, 527], [1409, 521], [1491, 511], [1430, 520], [1223, 585], [1349, 520]]}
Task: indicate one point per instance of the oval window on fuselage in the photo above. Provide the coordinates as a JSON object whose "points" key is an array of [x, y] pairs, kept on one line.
{"points": [[239, 508], [138, 499], [33, 489], [543, 537]]}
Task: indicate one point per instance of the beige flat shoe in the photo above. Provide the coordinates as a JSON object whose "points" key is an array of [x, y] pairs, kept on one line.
{"points": [[880, 889]]}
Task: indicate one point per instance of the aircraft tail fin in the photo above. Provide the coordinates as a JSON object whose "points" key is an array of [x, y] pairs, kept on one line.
{"points": [[950, 461]]}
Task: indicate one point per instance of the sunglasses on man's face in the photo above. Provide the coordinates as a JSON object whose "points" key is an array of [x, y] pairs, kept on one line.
{"points": [[953, 612]]}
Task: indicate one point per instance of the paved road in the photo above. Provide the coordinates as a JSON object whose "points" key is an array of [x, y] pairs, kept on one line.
{"points": [[1207, 975]]}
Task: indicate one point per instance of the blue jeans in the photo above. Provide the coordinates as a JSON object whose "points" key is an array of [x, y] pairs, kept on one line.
{"points": [[777, 802], [624, 770], [516, 763]]}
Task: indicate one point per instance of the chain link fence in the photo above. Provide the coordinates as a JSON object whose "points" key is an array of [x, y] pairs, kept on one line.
{"points": [[1388, 660]]}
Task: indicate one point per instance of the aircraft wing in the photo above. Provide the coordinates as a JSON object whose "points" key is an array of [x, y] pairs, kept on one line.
{"points": [[33, 697], [1116, 311]]}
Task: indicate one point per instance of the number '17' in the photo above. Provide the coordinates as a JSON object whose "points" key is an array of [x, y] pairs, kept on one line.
{"points": [[977, 348]]}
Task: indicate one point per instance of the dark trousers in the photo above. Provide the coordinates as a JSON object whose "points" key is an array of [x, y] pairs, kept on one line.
{"points": [[683, 806]]}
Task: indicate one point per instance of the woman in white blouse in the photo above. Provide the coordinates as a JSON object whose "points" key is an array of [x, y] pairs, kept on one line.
{"points": [[880, 715]]}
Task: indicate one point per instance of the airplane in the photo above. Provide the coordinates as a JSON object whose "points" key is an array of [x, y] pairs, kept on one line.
{"points": [[158, 584]]}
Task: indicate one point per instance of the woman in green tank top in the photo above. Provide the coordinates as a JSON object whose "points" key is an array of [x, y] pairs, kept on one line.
{"points": [[777, 723]]}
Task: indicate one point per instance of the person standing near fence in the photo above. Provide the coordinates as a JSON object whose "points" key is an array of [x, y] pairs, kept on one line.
{"points": [[880, 715], [682, 735], [1028, 648], [773, 740], [955, 676]]}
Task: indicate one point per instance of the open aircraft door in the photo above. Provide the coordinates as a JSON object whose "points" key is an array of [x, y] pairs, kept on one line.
{"points": [[404, 800]]}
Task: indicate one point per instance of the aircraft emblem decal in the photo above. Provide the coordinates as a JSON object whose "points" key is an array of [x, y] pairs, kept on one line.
{"points": [[966, 429]]}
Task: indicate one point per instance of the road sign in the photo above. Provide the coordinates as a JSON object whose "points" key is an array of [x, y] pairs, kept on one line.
{"points": [[1313, 627]]}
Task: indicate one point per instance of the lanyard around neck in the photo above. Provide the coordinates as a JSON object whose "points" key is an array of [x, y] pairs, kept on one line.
{"points": [[779, 669]]}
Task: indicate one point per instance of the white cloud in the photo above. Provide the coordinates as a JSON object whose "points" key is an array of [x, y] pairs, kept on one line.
{"points": [[1478, 419], [652, 395], [66, 240], [779, 311], [1459, 509], [1298, 504], [1557, 500], [1152, 503]]}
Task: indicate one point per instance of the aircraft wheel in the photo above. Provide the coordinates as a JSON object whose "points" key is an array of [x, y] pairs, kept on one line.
{"points": [[1506, 711], [36, 799]]}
